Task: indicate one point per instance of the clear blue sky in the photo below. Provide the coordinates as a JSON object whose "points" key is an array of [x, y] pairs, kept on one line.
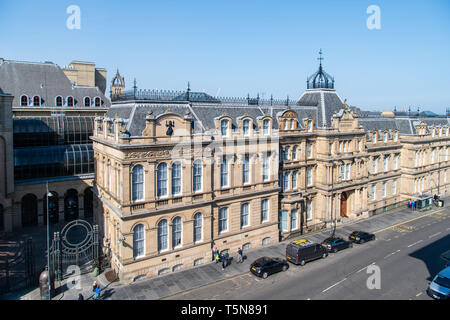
{"points": [[248, 46]]}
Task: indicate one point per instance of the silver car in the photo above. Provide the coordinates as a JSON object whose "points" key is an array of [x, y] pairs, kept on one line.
{"points": [[439, 288]]}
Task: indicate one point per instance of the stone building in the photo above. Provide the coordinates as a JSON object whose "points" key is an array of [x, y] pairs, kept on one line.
{"points": [[180, 173], [48, 113]]}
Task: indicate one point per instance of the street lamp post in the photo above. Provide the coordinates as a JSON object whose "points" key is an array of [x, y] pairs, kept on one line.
{"points": [[332, 196], [48, 247]]}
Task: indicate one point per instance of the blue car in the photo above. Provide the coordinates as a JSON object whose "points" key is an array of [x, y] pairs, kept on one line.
{"points": [[334, 244], [439, 288]]}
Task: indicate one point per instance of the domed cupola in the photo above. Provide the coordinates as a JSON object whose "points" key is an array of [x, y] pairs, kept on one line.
{"points": [[320, 79]]}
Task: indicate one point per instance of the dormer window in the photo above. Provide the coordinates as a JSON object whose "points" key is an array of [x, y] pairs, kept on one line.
{"points": [[292, 124], [385, 137], [36, 101], [396, 136], [97, 102], [246, 127], [59, 101], [440, 132], [433, 132], [310, 126], [374, 138], [87, 102], [24, 101], [266, 125], [224, 128], [70, 102], [286, 124]]}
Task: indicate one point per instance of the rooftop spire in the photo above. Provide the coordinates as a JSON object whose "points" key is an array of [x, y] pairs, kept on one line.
{"points": [[320, 57]]}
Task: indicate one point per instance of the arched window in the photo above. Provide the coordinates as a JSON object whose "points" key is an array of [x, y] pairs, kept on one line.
{"points": [[246, 127], [162, 235], [176, 178], [59, 101], [138, 183], [70, 102], [176, 232], [294, 153], [197, 176], [138, 241], [198, 227], [224, 128], [98, 102], [24, 101], [161, 179], [87, 102], [36, 101]]}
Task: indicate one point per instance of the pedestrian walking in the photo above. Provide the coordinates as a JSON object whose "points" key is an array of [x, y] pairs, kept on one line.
{"points": [[413, 204], [94, 286], [239, 256], [216, 255], [80, 296], [97, 293], [227, 258]]}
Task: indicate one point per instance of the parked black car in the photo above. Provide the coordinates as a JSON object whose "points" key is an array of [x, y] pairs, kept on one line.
{"points": [[304, 252], [334, 244], [361, 236], [265, 266]]}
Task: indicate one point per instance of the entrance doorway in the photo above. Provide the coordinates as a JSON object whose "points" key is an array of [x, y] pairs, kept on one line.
{"points": [[344, 198]]}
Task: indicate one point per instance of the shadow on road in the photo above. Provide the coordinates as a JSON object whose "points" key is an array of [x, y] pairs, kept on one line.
{"points": [[431, 255]]}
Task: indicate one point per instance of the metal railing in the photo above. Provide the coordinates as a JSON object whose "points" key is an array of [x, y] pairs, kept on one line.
{"points": [[180, 96]]}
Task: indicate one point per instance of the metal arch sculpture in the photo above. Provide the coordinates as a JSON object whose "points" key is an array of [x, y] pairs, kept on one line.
{"points": [[82, 251]]}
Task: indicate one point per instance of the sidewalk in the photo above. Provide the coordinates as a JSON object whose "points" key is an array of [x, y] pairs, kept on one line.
{"points": [[174, 283]]}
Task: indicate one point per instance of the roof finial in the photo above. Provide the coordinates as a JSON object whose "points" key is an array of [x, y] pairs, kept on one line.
{"points": [[320, 57]]}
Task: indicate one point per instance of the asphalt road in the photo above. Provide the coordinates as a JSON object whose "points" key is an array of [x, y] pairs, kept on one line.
{"points": [[407, 255]]}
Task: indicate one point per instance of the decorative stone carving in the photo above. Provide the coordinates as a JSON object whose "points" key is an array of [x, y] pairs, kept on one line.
{"points": [[148, 154]]}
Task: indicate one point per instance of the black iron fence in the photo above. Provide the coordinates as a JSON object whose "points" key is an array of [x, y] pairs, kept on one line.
{"points": [[184, 96], [17, 268]]}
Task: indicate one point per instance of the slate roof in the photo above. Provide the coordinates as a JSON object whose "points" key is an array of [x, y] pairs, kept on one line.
{"points": [[46, 80], [405, 125], [318, 104], [326, 101]]}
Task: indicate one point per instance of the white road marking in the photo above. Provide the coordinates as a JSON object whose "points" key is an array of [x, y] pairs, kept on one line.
{"points": [[434, 235], [390, 254], [365, 267], [334, 285], [415, 243]]}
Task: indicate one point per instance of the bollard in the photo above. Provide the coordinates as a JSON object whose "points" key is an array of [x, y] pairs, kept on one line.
{"points": [[43, 285]]}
